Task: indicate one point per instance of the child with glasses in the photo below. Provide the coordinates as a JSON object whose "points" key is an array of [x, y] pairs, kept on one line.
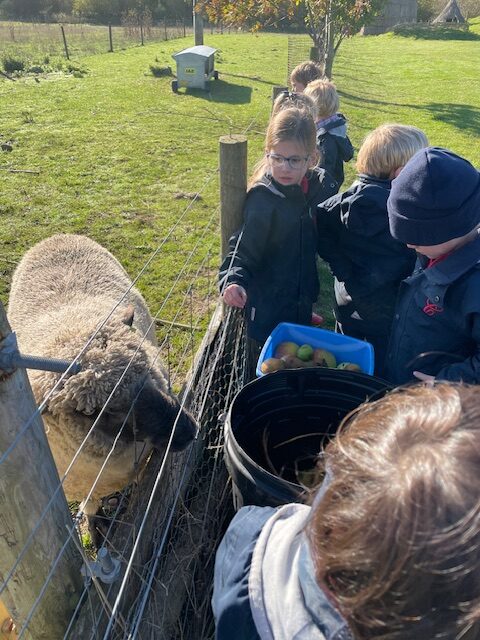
{"points": [[270, 269], [333, 144], [355, 240]]}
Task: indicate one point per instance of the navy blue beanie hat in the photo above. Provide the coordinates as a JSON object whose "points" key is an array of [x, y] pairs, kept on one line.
{"points": [[435, 198]]}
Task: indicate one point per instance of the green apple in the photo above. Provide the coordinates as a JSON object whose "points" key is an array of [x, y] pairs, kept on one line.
{"points": [[305, 352]]}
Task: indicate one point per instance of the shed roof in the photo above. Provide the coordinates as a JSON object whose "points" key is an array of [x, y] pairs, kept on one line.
{"points": [[200, 50], [451, 13]]}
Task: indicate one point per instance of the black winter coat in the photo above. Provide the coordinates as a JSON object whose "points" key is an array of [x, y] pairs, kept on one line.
{"points": [[367, 262], [436, 328], [275, 261], [334, 147]]}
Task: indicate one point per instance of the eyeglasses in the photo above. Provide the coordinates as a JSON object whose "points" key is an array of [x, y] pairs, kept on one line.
{"points": [[294, 162]]}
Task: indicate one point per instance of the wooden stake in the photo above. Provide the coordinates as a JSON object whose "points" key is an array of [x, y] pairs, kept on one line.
{"points": [[233, 185], [28, 480]]}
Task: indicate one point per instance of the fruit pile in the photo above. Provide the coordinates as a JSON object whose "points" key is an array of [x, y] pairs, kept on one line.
{"points": [[290, 355]]}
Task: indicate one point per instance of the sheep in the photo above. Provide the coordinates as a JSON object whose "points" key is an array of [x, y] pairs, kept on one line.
{"points": [[62, 290]]}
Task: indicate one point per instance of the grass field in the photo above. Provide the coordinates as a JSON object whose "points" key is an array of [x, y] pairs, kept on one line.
{"points": [[119, 156]]}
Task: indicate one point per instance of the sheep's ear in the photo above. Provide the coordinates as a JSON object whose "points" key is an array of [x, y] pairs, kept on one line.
{"points": [[128, 313]]}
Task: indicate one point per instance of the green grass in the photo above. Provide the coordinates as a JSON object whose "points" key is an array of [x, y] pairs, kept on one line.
{"points": [[119, 155]]}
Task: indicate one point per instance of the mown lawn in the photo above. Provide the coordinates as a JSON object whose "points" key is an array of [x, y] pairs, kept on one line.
{"points": [[120, 156]]}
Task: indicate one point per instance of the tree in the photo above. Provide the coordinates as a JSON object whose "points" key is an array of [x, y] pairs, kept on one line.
{"points": [[328, 22]]}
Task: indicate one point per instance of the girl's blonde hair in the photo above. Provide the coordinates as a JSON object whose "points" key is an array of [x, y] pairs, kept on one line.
{"points": [[396, 536], [388, 148], [287, 99], [305, 72], [288, 124], [324, 94]]}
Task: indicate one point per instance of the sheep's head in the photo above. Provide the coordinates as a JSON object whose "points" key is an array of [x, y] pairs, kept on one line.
{"points": [[120, 382]]}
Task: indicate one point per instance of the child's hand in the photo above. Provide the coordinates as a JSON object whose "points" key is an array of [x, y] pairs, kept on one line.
{"points": [[424, 377], [235, 296]]}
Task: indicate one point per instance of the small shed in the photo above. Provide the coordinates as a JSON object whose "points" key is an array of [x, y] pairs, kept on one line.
{"points": [[195, 67], [451, 13]]}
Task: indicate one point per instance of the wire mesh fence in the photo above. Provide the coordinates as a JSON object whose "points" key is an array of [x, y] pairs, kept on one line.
{"points": [[160, 532], [46, 39], [298, 51]]}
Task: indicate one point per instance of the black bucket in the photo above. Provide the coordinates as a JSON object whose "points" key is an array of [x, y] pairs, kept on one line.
{"points": [[278, 424]]}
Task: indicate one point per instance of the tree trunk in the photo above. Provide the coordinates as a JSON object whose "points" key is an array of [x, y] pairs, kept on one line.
{"points": [[329, 42]]}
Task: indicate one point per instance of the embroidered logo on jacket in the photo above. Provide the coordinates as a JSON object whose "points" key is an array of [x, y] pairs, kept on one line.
{"points": [[431, 309]]}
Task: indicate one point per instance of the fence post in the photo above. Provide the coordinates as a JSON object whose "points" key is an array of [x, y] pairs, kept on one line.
{"points": [[64, 42], [110, 38], [233, 185], [276, 91], [184, 28], [141, 34], [165, 28], [28, 480]]}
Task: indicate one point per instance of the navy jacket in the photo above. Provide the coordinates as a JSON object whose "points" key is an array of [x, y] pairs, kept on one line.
{"points": [[436, 328], [275, 260], [367, 262], [334, 146]]}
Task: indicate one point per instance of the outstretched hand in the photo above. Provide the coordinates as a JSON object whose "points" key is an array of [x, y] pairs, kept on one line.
{"points": [[235, 296]]}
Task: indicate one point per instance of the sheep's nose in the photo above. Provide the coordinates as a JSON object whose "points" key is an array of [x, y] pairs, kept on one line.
{"points": [[185, 431]]}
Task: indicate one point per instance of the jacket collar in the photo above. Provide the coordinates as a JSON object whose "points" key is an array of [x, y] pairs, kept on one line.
{"points": [[454, 265], [285, 599], [365, 178]]}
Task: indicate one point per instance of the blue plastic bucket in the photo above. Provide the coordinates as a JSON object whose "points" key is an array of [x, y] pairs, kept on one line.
{"points": [[344, 348]]}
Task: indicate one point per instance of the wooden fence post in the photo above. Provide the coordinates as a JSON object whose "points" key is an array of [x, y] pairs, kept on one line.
{"points": [[64, 42], [28, 480], [276, 91], [233, 185], [110, 38]]}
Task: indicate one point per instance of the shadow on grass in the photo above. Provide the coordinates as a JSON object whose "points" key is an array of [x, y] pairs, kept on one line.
{"points": [[435, 32], [220, 91], [462, 116], [254, 78]]}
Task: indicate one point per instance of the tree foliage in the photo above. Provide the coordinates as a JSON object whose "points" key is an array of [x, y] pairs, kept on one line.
{"points": [[96, 10], [328, 22]]}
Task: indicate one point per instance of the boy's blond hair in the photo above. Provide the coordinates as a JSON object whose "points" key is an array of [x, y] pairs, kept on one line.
{"points": [[305, 72], [395, 535], [288, 99], [388, 148], [324, 94]]}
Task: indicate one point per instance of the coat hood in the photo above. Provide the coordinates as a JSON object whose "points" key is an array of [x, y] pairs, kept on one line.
{"points": [[285, 599]]}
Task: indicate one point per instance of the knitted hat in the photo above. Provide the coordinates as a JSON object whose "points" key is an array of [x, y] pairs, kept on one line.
{"points": [[435, 198]]}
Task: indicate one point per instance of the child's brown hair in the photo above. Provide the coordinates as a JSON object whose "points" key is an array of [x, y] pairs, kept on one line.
{"points": [[389, 147], [288, 99], [395, 538], [288, 124], [324, 94], [305, 72]]}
